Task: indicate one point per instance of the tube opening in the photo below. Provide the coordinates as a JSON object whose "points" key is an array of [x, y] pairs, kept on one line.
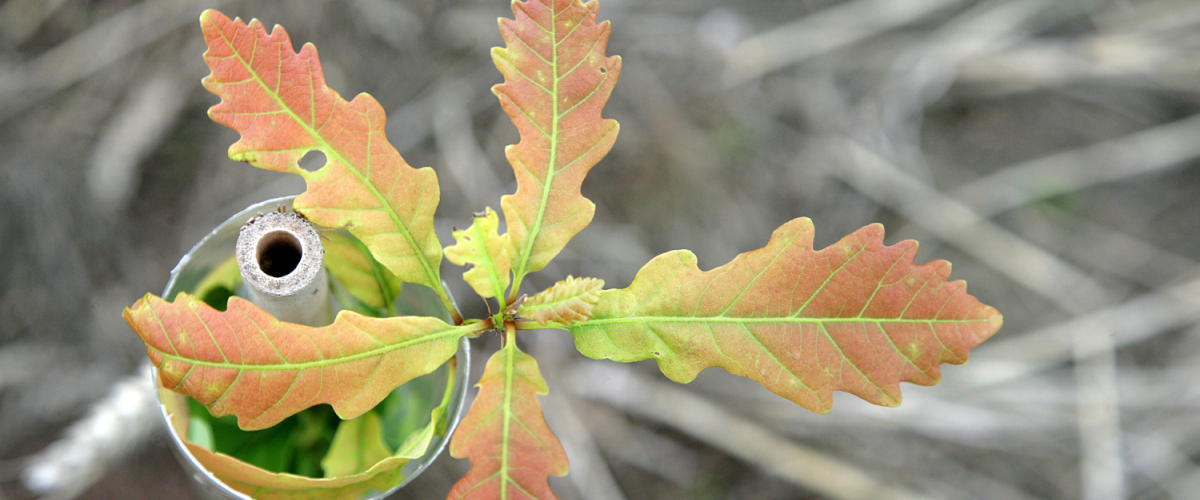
{"points": [[280, 258], [278, 253]]}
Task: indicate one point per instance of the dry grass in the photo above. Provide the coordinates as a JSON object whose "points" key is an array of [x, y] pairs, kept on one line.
{"points": [[1046, 147]]}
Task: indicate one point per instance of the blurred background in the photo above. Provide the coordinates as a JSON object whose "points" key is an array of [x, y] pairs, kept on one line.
{"points": [[1048, 148]]}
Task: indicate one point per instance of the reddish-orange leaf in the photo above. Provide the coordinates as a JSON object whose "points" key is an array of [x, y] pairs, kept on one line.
{"points": [[857, 316], [277, 99], [512, 450], [556, 82], [244, 362]]}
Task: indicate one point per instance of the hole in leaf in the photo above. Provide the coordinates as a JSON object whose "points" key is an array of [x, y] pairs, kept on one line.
{"points": [[603, 70], [312, 161], [278, 253]]}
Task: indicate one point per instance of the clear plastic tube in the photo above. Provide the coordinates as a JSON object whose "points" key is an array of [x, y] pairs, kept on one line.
{"points": [[215, 249]]}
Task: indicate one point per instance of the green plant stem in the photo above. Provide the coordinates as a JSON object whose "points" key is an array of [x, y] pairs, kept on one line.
{"points": [[480, 326], [454, 314], [515, 290], [534, 325]]}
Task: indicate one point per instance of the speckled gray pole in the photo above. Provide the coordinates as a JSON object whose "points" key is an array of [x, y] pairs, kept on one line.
{"points": [[282, 263]]}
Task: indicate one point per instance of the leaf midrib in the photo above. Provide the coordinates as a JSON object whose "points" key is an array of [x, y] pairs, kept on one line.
{"points": [[738, 320], [430, 273], [482, 240], [458, 331], [519, 272], [505, 433]]}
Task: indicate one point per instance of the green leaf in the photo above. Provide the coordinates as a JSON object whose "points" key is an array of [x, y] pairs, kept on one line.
{"points": [[399, 413], [264, 484], [417, 443], [246, 363], [277, 99], [512, 450], [295, 445], [200, 431], [220, 284], [357, 446], [566, 303], [486, 252], [556, 82], [351, 263], [857, 316]]}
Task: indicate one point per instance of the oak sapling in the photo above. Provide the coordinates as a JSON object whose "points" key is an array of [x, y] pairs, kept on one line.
{"points": [[858, 316]]}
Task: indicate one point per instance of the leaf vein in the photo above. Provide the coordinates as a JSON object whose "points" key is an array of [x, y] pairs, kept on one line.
{"points": [[430, 273]]}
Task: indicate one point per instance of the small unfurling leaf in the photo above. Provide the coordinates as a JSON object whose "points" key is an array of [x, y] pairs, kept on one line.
{"points": [[566, 303], [486, 252]]}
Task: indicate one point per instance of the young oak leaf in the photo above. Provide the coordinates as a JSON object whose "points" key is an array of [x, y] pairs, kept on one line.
{"points": [[857, 316], [512, 450], [262, 484], [277, 100], [244, 362], [357, 446], [219, 284], [556, 82], [349, 260], [486, 251], [566, 303]]}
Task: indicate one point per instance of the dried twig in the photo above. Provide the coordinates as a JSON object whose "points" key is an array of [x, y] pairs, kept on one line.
{"points": [[821, 32], [710, 423], [1140, 153]]}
